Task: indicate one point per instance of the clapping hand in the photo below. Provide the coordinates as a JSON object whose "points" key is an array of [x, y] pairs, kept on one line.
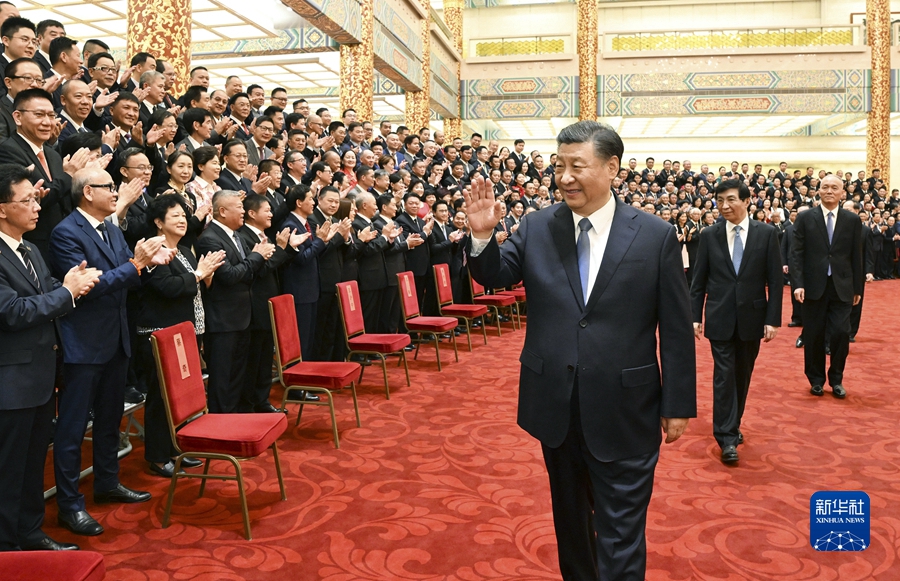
{"points": [[80, 279], [208, 264], [152, 251], [264, 249], [414, 240]]}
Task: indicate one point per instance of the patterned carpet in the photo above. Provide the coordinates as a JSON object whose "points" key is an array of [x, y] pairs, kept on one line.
{"points": [[440, 483]]}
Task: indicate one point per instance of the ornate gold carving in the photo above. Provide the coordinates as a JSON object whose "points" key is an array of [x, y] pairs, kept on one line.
{"points": [[453, 18], [358, 67], [878, 135], [162, 28], [587, 41]]}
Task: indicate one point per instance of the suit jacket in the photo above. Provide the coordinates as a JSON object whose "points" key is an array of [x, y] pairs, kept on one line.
{"points": [[609, 344], [301, 275], [144, 115], [7, 123], [253, 152], [167, 296], [441, 248], [188, 146], [136, 225], [92, 123], [266, 284], [331, 261], [279, 210], [395, 256], [227, 300], [55, 205], [811, 254], [28, 331], [418, 259], [736, 301], [372, 271], [227, 181], [98, 328]]}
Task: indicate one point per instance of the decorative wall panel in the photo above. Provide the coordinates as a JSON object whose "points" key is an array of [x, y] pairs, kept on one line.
{"points": [[525, 97]]}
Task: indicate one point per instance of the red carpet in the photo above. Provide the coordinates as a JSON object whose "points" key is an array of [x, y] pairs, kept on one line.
{"points": [[440, 483]]}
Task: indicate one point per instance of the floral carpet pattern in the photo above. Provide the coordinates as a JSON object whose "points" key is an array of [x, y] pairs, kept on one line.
{"points": [[441, 485]]}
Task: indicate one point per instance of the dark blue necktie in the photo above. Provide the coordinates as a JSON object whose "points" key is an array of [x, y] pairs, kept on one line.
{"points": [[101, 227], [583, 248]]}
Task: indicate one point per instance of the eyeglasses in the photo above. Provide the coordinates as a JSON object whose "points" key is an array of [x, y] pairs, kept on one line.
{"points": [[32, 201], [31, 80], [110, 187], [239, 155], [139, 167], [105, 69], [41, 115], [29, 40], [266, 129]]}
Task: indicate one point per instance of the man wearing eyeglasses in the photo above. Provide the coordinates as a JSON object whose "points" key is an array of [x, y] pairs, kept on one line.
{"points": [[256, 145], [20, 74], [19, 40], [35, 124], [31, 302]]}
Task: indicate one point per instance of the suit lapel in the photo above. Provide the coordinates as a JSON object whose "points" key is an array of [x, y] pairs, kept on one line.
{"points": [[820, 224], [621, 234], [94, 236], [722, 239], [752, 236], [38, 166], [562, 230], [19, 266]]}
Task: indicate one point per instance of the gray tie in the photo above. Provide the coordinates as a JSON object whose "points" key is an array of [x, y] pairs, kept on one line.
{"points": [[738, 253], [583, 249], [237, 242], [829, 225]]}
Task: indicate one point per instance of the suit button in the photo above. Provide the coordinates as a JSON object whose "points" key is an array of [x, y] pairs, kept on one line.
{"points": [[582, 323], [570, 368], [56, 347]]}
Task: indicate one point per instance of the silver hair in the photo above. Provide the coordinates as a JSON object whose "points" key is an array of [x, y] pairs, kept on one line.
{"points": [[150, 76], [219, 197]]}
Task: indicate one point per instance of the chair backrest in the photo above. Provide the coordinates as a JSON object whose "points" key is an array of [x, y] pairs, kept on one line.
{"points": [[477, 289], [442, 282], [284, 331], [351, 308], [409, 300], [180, 374]]}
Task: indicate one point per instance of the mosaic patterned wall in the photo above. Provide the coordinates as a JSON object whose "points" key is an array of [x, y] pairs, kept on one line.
{"points": [[404, 68], [308, 39], [442, 98], [525, 97], [825, 91], [339, 19], [395, 25]]}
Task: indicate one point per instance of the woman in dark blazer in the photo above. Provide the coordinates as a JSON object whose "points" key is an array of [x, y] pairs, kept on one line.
{"points": [[171, 295], [459, 272], [181, 172]]}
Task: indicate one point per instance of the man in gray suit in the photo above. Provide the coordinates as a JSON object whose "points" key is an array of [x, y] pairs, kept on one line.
{"points": [[199, 126], [257, 150], [603, 279]]}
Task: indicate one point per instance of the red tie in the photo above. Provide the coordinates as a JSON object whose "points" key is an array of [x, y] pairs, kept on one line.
{"points": [[262, 237], [43, 160], [308, 229], [262, 153]]}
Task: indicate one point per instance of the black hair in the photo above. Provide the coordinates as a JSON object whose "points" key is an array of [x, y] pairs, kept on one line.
{"points": [[194, 115], [204, 155], [161, 205], [14, 24], [193, 93], [141, 58], [88, 139], [733, 184], [296, 194], [10, 175], [607, 143], [253, 202]]}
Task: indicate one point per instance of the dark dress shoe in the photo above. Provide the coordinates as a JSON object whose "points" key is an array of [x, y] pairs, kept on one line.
{"points": [[817, 390], [729, 455], [165, 470], [740, 438], [838, 391], [191, 462], [48, 544], [853, 339], [409, 348], [795, 324], [799, 342], [121, 494], [265, 408], [302, 396], [80, 523], [132, 395], [827, 350]]}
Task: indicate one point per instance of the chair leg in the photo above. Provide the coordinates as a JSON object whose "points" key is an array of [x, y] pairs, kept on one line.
{"points": [[387, 391], [203, 481], [299, 413], [165, 520], [437, 349], [497, 316], [362, 368], [484, 328], [468, 333], [405, 367], [240, 483], [278, 470], [334, 430], [455, 350], [418, 344], [355, 403]]}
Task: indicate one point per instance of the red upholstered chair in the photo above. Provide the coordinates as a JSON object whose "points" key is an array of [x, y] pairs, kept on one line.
{"points": [[406, 284], [296, 374], [468, 313], [518, 293], [493, 302], [52, 566], [361, 343], [198, 433]]}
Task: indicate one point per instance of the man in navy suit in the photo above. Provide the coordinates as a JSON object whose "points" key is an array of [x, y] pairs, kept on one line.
{"points": [[234, 157], [603, 279], [31, 301], [738, 260], [300, 277], [96, 346]]}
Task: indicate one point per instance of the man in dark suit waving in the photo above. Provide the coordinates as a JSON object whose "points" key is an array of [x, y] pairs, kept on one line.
{"points": [[827, 274], [96, 346], [30, 303], [738, 259], [602, 279]]}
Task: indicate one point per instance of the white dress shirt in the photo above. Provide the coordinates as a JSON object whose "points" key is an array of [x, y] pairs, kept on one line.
{"points": [[730, 231], [833, 218]]}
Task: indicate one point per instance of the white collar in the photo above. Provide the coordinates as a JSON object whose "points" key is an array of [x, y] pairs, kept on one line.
{"points": [[745, 224], [34, 148], [227, 230], [11, 242], [600, 219], [94, 222]]}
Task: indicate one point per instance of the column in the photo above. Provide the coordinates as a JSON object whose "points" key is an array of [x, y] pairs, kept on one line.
{"points": [[453, 18], [162, 28], [878, 135], [358, 67], [418, 103], [587, 40]]}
